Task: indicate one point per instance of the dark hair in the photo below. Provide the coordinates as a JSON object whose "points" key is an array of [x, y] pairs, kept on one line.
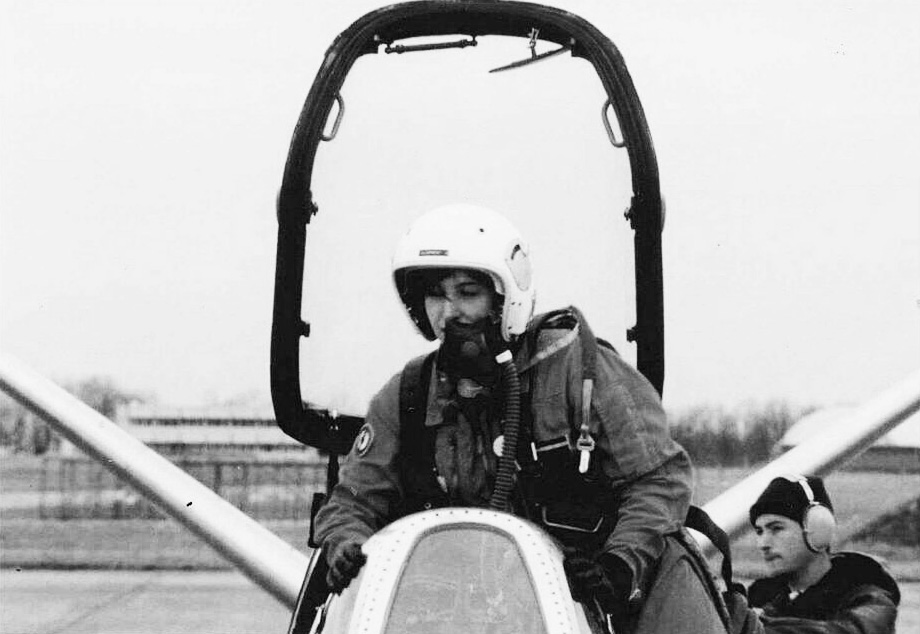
{"points": [[429, 278]]}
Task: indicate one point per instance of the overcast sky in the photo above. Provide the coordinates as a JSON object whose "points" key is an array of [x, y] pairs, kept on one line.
{"points": [[142, 146]]}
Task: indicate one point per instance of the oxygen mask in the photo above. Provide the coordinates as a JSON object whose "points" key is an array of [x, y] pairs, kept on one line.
{"points": [[468, 351]]}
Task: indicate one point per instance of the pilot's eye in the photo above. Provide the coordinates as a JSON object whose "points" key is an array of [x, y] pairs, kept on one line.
{"points": [[471, 291]]}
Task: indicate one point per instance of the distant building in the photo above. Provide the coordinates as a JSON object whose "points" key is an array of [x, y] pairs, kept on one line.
{"points": [[227, 431], [897, 451]]}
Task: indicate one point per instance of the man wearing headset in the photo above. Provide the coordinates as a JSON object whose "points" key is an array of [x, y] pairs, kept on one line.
{"points": [[608, 481], [811, 588]]}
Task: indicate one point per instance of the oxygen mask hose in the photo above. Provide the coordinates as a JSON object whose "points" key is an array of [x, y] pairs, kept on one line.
{"points": [[511, 386]]}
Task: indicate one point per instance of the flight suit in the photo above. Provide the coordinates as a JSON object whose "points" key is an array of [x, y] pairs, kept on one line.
{"points": [[648, 474]]}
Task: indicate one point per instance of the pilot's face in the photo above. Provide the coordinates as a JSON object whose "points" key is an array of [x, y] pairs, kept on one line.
{"points": [[459, 294], [782, 544]]}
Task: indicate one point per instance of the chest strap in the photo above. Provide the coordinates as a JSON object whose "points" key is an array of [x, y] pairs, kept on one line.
{"points": [[417, 468]]}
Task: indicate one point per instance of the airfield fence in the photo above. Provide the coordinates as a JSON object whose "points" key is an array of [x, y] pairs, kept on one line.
{"points": [[68, 512], [80, 488]]}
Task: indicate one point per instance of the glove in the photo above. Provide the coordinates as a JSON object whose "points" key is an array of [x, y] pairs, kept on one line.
{"points": [[607, 580], [344, 564], [743, 618]]}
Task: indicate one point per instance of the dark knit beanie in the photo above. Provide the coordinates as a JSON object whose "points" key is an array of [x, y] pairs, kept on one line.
{"points": [[786, 497]]}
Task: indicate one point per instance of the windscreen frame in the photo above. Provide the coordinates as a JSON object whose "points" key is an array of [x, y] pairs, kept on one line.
{"points": [[334, 434]]}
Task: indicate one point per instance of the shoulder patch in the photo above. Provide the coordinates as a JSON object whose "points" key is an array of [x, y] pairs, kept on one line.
{"points": [[364, 440]]}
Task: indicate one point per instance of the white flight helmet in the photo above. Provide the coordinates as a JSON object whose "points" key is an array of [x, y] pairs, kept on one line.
{"points": [[468, 237]]}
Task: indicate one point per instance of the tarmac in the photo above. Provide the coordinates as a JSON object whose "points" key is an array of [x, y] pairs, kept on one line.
{"points": [[158, 602], [136, 602]]}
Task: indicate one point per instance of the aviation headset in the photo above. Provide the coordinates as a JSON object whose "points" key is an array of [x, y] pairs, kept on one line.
{"points": [[818, 521]]}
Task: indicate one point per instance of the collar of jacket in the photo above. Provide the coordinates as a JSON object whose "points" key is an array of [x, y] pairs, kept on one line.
{"points": [[549, 342]]}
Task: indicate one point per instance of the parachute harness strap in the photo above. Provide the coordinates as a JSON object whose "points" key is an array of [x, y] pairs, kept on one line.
{"points": [[585, 443]]}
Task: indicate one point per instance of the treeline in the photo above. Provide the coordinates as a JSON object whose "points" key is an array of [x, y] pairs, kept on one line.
{"points": [[23, 431], [711, 435], [716, 437]]}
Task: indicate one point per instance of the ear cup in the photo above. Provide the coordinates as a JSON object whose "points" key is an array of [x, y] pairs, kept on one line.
{"points": [[818, 522], [819, 526]]}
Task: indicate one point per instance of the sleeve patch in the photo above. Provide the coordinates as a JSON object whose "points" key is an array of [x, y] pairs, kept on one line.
{"points": [[364, 440]]}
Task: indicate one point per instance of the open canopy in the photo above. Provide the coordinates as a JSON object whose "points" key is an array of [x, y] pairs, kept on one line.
{"points": [[400, 29]]}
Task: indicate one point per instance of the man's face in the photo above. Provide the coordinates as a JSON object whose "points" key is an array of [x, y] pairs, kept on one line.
{"points": [[782, 544]]}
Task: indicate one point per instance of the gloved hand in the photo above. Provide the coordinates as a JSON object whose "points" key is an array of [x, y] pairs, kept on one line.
{"points": [[606, 579], [344, 564], [743, 618]]}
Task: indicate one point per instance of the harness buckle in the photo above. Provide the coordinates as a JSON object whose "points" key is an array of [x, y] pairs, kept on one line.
{"points": [[584, 445]]}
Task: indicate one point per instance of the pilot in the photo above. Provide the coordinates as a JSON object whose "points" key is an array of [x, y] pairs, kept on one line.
{"points": [[811, 588], [593, 462]]}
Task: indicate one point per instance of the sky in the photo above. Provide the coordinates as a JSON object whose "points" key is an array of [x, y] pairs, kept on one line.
{"points": [[142, 146]]}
